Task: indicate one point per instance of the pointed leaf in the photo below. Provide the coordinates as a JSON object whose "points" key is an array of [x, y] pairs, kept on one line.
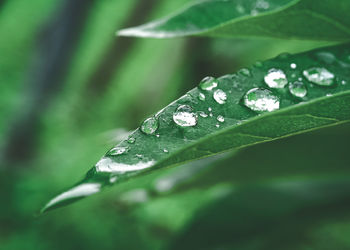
{"points": [[299, 19], [220, 116]]}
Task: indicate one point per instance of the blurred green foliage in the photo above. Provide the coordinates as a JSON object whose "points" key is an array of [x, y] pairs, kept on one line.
{"points": [[105, 88]]}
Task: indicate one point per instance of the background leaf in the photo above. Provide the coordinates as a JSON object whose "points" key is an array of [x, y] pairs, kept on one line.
{"points": [[303, 19]]}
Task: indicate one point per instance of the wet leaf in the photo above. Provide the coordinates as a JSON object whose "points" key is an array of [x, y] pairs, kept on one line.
{"points": [[253, 106], [300, 19]]}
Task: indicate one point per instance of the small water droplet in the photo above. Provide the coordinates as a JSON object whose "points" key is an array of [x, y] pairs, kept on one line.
{"points": [[202, 114], [211, 114], [113, 179], [258, 64], [184, 116], [165, 150], [220, 96], [326, 57], [276, 78], [220, 118], [284, 55], [208, 83], [240, 9], [343, 82], [293, 66], [209, 109], [201, 97], [139, 156], [329, 94], [319, 76], [293, 75], [131, 140], [217, 125], [244, 72], [118, 150], [261, 100], [297, 89], [149, 126]]}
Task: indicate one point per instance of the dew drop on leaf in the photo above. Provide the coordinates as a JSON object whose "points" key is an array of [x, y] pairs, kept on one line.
{"points": [[131, 140], [244, 72], [149, 126], [275, 78], [293, 66], [202, 114], [118, 150], [297, 89], [201, 97], [261, 100], [220, 96], [184, 116], [220, 118], [208, 83], [319, 76]]}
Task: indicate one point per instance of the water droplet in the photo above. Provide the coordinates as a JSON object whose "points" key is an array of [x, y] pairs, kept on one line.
{"points": [[319, 76], [284, 55], [211, 114], [208, 83], [240, 9], [157, 135], [244, 72], [258, 64], [220, 118], [293, 66], [139, 156], [297, 89], [165, 150], [118, 150], [217, 125], [329, 94], [276, 78], [343, 82], [202, 114], [113, 179], [149, 126], [326, 57], [201, 97], [184, 116], [261, 100], [131, 140], [220, 96], [209, 109]]}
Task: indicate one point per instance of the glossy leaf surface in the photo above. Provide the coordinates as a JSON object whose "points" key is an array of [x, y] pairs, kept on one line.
{"points": [[213, 119], [299, 19]]}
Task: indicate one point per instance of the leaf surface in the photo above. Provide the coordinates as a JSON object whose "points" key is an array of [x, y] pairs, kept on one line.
{"points": [[291, 19], [211, 124]]}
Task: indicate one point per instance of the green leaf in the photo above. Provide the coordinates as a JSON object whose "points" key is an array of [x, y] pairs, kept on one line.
{"points": [[298, 19], [218, 124]]}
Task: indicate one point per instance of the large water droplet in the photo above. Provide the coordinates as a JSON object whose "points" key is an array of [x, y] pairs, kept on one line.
{"points": [[208, 83], [276, 78], [297, 89], [319, 76], [220, 96], [118, 150], [150, 125], [184, 116], [261, 100]]}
